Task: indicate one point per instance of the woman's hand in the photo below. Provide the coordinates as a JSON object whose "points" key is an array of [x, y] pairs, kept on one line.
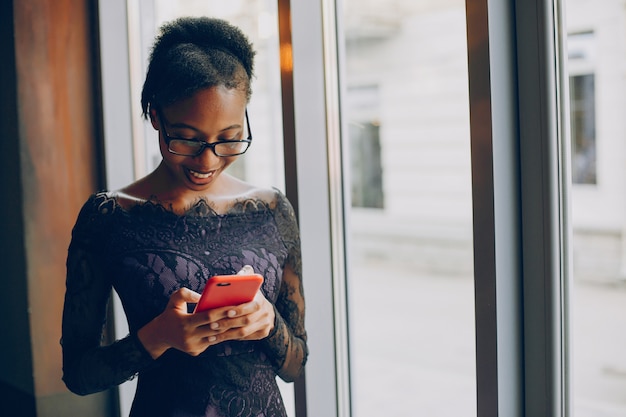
{"points": [[249, 321], [194, 333], [176, 328]]}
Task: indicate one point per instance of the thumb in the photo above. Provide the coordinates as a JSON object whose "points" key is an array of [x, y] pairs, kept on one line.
{"points": [[182, 296]]}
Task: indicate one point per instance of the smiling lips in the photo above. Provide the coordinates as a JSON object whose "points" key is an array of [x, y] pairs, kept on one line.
{"points": [[200, 175]]}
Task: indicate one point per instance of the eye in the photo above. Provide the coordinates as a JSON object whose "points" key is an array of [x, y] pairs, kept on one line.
{"points": [[231, 144], [185, 139], [237, 136]]}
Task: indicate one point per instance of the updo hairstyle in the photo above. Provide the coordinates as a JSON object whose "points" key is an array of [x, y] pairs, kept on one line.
{"points": [[195, 53]]}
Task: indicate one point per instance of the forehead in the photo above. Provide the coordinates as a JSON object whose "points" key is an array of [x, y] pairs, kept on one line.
{"points": [[212, 103]]}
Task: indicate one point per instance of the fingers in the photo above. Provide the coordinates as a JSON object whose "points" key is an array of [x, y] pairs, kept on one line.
{"points": [[198, 331], [218, 314], [235, 324], [194, 333], [256, 332], [236, 316]]}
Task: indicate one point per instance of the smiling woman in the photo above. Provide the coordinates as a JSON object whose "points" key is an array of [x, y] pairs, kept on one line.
{"points": [[214, 114], [157, 241]]}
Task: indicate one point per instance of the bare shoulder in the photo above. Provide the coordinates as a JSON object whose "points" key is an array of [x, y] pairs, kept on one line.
{"points": [[130, 195], [245, 191]]}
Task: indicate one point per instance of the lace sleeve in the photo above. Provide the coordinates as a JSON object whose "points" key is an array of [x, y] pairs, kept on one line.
{"points": [[287, 343], [89, 367]]}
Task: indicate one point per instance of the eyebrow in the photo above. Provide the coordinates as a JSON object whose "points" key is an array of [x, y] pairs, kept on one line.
{"points": [[186, 126]]}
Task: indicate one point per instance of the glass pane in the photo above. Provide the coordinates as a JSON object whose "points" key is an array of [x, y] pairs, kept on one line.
{"points": [[596, 65], [411, 273]]}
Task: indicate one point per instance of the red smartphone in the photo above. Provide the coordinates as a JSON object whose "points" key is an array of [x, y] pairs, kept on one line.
{"points": [[228, 290]]}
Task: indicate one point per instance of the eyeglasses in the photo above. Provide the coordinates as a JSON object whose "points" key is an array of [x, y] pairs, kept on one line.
{"points": [[194, 147]]}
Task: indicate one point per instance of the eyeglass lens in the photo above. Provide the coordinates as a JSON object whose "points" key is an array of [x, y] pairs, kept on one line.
{"points": [[191, 148]]}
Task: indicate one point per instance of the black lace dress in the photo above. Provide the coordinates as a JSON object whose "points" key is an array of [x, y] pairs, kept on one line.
{"points": [[146, 253]]}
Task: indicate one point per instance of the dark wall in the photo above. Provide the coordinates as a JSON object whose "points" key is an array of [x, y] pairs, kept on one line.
{"points": [[15, 361], [50, 162]]}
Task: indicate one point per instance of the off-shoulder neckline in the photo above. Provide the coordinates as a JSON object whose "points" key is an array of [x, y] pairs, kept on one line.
{"points": [[201, 207]]}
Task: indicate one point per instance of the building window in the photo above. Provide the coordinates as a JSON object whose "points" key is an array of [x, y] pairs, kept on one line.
{"points": [[582, 81], [365, 150], [365, 161], [583, 125]]}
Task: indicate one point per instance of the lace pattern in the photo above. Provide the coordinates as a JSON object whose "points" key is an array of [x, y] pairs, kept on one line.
{"points": [[146, 253]]}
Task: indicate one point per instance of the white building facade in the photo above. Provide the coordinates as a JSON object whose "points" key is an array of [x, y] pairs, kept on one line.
{"points": [[418, 105]]}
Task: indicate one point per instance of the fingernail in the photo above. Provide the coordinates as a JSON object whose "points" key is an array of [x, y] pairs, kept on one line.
{"points": [[215, 326], [212, 338], [232, 313]]}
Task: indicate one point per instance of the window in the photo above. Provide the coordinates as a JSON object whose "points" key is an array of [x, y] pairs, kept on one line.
{"points": [[410, 278], [582, 106], [582, 93], [367, 172], [365, 152], [413, 169]]}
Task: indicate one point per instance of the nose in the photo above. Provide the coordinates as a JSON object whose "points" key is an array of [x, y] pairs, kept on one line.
{"points": [[208, 158]]}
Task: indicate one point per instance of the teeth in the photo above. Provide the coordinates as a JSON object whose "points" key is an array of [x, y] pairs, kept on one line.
{"points": [[200, 175]]}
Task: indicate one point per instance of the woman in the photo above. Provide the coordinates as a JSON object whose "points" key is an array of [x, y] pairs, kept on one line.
{"points": [[158, 240]]}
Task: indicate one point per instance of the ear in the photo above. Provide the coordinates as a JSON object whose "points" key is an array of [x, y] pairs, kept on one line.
{"points": [[154, 118]]}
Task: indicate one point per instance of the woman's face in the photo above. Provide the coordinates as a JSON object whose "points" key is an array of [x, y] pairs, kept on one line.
{"points": [[211, 115]]}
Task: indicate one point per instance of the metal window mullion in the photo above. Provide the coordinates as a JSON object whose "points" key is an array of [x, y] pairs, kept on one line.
{"points": [[338, 199], [543, 129], [316, 180]]}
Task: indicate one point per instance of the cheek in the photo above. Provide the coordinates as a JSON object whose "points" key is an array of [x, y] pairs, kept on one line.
{"points": [[229, 161]]}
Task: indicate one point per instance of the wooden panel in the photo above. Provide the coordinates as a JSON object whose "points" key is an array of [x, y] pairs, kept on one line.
{"points": [[59, 140]]}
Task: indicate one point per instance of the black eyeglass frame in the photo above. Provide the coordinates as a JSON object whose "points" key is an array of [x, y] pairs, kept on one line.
{"points": [[204, 145]]}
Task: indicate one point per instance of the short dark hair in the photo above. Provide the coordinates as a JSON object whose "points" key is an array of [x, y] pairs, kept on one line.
{"points": [[194, 53]]}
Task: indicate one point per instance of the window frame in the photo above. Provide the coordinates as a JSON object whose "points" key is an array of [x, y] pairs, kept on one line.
{"points": [[519, 135], [518, 107], [320, 200], [546, 188]]}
